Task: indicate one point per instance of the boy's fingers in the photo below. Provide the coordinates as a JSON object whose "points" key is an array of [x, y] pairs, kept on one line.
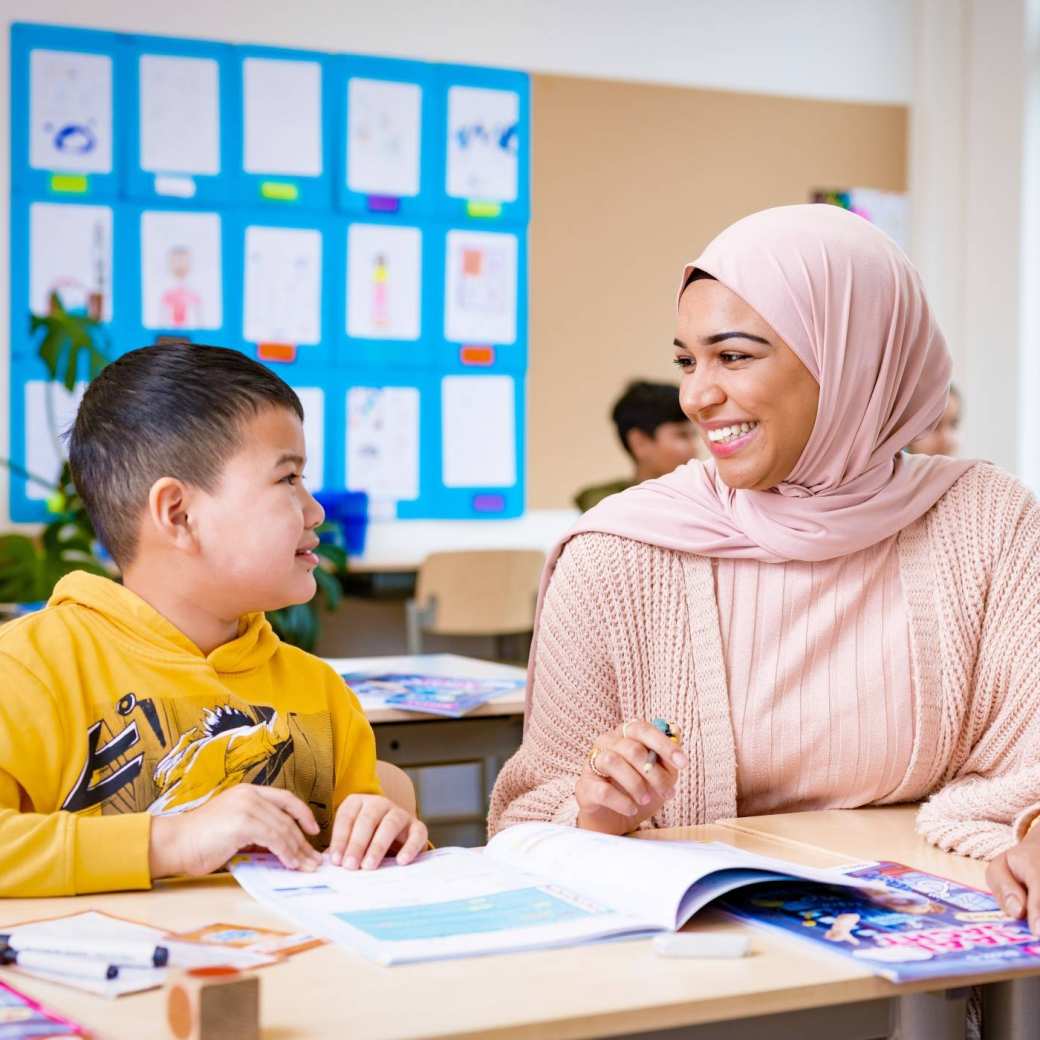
{"points": [[283, 829], [414, 844], [288, 802], [395, 822], [342, 826], [361, 835]]}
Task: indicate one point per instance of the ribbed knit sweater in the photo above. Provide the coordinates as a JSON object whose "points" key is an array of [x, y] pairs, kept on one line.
{"points": [[629, 630]]}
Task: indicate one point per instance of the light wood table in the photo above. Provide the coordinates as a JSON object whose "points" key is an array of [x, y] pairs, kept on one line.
{"points": [[786, 988]]}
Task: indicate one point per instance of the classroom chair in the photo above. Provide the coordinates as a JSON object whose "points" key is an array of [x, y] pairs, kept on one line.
{"points": [[397, 785], [490, 592]]}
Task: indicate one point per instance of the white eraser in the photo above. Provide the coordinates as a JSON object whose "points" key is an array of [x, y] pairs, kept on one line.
{"points": [[701, 944]]}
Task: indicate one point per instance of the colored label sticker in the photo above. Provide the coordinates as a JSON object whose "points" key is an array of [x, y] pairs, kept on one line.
{"points": [[475, 208], [382, 203], [477, 355], [280, 191], [282, 352], [70, 183], [489, 503]]}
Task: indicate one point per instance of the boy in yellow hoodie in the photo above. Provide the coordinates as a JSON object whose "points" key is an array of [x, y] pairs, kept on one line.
{"points": [[156, 727]]}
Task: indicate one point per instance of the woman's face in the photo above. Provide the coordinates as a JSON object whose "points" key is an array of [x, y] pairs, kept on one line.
{"points": [[751, 397]]}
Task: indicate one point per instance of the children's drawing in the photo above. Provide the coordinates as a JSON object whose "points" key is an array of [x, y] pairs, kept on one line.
{"points": [[383, 441], [483, 144], [480, 288], [479, 431], [383, 133], [283, 286], [282, 116], [887, 210], [313, 400], [384, 274], [181, 284], [49, 411], [70, 253], [180, 114], [70, 111]]}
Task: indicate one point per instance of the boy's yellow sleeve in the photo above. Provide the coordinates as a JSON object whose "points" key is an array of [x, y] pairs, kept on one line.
{"points": [[355, 745], [54, 853]]}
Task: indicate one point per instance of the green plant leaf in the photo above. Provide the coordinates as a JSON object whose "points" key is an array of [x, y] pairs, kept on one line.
{"points": [[19, 570], [329, 588], [297, 625]]}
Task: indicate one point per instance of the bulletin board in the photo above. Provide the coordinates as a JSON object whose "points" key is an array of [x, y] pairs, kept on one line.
{"points": [[358, 224]]}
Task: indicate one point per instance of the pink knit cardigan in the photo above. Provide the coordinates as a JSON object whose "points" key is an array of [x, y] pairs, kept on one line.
{"points": [[630, 630]]}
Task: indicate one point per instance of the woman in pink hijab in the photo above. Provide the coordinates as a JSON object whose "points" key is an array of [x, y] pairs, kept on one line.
{"points": [[827, 621]]}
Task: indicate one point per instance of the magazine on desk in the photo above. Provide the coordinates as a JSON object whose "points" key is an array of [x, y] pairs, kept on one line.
{"points": [[451, 696], [534, 885]]}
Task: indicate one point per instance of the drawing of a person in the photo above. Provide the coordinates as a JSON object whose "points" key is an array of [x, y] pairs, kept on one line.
{"points": [[380, 292], [181, 305]]}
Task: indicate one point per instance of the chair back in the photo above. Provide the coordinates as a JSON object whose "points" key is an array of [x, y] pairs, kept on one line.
{"points": [[397, 785]]}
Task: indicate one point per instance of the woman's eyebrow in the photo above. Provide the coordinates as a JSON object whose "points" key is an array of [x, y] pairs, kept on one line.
{"points": [[721, 337]]}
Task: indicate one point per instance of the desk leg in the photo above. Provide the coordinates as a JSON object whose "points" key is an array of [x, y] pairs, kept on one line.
{"points": [[1011, 1010], [931, 1016]]}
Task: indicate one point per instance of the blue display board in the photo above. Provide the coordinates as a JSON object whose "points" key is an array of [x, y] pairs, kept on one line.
{"points": [[359, 224]]}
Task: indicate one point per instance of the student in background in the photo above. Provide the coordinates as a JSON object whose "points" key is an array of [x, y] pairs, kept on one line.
{"points": [[653, 430], [157, 726], [826, 621], [942, 439]]}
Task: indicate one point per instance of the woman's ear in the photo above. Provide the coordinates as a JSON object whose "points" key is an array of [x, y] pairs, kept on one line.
{"points": [[168, 514]]}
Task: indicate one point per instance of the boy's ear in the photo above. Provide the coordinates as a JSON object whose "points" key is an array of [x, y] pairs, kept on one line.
{"points": [[168, 514], [638, 442]]}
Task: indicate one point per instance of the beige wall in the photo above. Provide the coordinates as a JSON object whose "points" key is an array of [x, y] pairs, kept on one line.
{"points": [[629, 182]]}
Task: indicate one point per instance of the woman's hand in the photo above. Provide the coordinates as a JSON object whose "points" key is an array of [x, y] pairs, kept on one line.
{"points": [[1014, 879], [622, 785]]}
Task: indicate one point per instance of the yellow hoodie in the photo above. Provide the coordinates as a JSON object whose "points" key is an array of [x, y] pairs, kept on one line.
{"points": [[109, 715]]}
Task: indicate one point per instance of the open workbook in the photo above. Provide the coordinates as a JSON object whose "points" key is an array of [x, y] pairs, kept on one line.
{"points": [[534, 885]]}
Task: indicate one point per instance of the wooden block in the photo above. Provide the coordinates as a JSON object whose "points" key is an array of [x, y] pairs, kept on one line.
{"points": [[213, 1004]]}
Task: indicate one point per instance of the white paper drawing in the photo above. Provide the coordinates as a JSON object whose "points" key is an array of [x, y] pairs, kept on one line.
{"points": [[384, 278], [480, 287], [313, 400], [47, 403], [180, 114], [384, 125], [70, 111], [70, 253], [181, 283], [478, 421], [483, 144], [282, 102], [283, 285], [383, 441]]}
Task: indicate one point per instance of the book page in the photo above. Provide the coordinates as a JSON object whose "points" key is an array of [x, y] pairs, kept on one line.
{"points": [[478, 421], [70, 253], [181, 281], [483, 144], [283, 286], [384, 123], [180, 114], [282, 102], [70, 111]]}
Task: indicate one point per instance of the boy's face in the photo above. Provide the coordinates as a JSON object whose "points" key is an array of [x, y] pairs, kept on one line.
{"points": [[672, 444], [256, 530]]}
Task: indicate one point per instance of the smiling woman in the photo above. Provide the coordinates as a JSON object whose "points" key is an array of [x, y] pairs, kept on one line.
{"points": [[826, 621]]}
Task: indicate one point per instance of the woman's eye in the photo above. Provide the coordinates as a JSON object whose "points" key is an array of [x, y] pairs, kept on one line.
{"points": [[684, 363], [730, 356]]}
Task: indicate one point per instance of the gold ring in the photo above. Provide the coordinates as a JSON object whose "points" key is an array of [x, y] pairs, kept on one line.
{"points": [[592, 764]]}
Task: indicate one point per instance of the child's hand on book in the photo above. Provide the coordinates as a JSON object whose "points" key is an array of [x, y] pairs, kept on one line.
{"points": [[204, 839], [1014, 879], [629, 774], [368, 826]]}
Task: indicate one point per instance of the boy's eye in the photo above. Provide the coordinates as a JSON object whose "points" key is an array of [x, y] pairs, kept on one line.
{"points": [[291, 478]]}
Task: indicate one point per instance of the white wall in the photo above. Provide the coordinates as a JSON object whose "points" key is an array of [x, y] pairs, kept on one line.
{"points": [[841, 49]]}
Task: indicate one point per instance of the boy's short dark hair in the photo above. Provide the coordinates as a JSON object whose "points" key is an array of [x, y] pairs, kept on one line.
{"points": [[645, 406], [169, 410]]}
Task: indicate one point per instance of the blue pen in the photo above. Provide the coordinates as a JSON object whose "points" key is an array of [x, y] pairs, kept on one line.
{"points": [[666, 728]]}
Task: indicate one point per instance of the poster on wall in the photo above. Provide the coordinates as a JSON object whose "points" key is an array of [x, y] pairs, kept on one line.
{"points": [[181, 284], [383, 441], [483, 144], [283, 286], [479, 431], [480, 287], [282, 113], [384, 127], [49, 411], [888, 210], [70, 111], [313, 400], [180, 114], [70, 253], [384, 277]]}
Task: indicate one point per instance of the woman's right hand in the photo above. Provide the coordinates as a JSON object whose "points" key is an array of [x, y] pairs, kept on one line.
{"points": [[619, 788]]}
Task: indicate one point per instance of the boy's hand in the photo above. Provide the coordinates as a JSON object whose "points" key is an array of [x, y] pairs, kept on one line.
{"points": [[367, 826], [204, 839], [1014, 879]]}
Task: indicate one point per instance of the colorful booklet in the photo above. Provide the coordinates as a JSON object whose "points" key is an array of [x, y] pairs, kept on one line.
{"points": [[430, 694], [919, 926], [21, 1018]]}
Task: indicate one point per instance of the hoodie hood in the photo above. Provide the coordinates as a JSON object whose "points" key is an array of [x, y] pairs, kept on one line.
{"points": [[143, 630]]}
